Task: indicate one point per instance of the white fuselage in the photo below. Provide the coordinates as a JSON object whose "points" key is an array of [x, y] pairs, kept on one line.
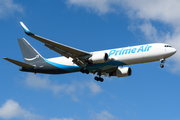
{"points": [[128, 55]]}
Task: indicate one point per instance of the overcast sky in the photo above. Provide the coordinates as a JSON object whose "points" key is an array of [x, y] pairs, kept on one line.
{"points": [[151, 93]]}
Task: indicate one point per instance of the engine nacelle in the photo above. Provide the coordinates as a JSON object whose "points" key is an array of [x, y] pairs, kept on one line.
{"points": [[99, 58], [122, 72]]}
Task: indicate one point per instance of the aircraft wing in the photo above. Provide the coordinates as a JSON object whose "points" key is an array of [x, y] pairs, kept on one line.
{"points": [[77, 55]]}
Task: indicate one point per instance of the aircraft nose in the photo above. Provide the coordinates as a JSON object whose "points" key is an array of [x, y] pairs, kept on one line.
{"points": [[172, 51]]}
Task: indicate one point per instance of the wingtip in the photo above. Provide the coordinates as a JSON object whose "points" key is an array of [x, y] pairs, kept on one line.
{"points": [[26, 30], [5, 58]]}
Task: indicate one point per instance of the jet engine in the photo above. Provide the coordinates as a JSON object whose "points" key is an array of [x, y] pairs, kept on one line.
{"points": [[99, 58], [121, 72]]}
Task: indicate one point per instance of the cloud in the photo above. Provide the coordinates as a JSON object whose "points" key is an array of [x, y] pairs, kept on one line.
{"points": [[104, 115], [158, 20], [163, 10], [11, 109], [155, 13], [166, 11], [8, 7], [98, 6], [73, 89], [93, 87], [61, 119]]}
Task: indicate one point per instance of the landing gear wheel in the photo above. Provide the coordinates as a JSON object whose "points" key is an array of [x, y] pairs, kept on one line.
{"points": [[162, 61], [161, 65], [83, 70], [99, 79], [87, 71], [96, 78]]}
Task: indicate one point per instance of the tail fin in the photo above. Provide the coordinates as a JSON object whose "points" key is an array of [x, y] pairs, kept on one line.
{"points": [[30, 55]]}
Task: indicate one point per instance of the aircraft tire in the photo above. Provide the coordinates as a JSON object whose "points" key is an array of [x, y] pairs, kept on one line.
{"points": [[161, 65], [101, 79], [82, 70], [96, 78], [87, 71]]}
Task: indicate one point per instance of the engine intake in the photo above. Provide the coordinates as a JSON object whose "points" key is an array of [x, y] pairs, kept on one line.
{"points": [[99, 58], [122, 72]]}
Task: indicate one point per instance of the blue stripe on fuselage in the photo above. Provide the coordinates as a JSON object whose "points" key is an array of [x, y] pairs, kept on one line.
{"points": [[101, 66], [64, 67]]}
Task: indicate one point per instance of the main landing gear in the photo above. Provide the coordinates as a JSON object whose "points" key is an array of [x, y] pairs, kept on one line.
{"points": [[99, 79], [84, 70], [162, 61]]}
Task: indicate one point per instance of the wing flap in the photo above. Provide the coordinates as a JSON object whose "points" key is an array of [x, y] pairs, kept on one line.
{"points": [[64, 53], [21, 64]]}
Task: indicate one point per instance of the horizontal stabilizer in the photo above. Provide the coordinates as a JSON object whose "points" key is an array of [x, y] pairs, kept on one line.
{"points": [[19, 63]]}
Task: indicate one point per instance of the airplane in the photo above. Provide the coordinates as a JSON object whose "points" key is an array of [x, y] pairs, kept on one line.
{"points": [[102, 63]]}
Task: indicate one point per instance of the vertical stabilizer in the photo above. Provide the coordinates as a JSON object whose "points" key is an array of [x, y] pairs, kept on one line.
{"points": [[30, 55]]}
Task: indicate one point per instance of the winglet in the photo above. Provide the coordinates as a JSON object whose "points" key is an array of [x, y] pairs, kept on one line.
{"points": [[26, 30]]}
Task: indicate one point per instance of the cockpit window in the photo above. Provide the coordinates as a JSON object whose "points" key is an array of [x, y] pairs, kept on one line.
{"points": [[167, 46]]}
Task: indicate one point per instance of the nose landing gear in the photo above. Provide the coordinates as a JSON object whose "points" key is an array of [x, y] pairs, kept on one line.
{"points": [[161, 65], [162, 61]]}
